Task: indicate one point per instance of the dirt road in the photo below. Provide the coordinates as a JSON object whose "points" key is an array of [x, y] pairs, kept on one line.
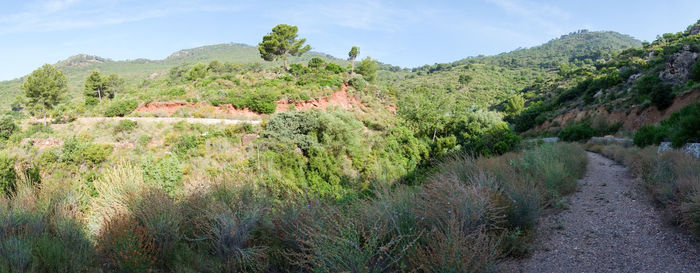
{"points": [[611, 226]]}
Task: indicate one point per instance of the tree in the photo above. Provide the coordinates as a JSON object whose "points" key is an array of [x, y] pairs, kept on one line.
{"points": [[464, 79], [316, 63], [94, 85], [99, 86], [280, 42], [351, 56], [113, 85], [198, 71], [44, 88], [368, 68], [515, 105]]}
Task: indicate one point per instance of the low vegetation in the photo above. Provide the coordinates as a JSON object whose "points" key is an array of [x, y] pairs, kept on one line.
{"points": [[462, 218]]}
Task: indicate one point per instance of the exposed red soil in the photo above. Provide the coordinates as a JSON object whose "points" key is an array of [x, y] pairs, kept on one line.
{"points": [[631, 120], [339, 98]]}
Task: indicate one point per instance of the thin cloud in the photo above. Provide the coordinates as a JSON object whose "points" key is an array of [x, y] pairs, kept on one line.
{"points": [[58, 15], [549, 17]]}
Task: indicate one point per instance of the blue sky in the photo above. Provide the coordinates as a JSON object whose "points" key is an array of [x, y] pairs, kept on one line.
{"points": [[405, 33]]}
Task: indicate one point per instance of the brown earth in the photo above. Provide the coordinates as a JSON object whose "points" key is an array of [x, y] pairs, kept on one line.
{"points": [[631, 120], [339, 98], [610, 226]]}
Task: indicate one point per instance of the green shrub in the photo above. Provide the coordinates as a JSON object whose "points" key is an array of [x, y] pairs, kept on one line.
{"points": [[96, 153], [8, 176], [125, 125], [334, 68], [91, 101], [186, 143], [695, 73], [649, 135], [358, 82], [7, 127], [659, 93], [579, 131], [198, 71], [264, 102], [680, 128], [121, 108], [316, 63], [165, 172]]}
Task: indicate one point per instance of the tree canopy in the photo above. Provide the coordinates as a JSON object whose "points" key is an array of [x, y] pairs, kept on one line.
{"points": [[280, 42], [44, 88], [368, 68], [352, 55]]}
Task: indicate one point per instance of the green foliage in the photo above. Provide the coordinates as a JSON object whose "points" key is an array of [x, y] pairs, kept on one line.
{"points": [[680, 128], [263, 101], [164, 172], [580, 131], [7, 127], [98, 86], [45, 87], [358, 82], [96, 153], [515, 105], [464, 79], [649, 135], [368, 68], [188, 144], [334, 68], [125, 125], [352, 55], [280, 42], [198, 71], [8, 176], [121, 108], [695, 73], [652, 88], [316, 63]]}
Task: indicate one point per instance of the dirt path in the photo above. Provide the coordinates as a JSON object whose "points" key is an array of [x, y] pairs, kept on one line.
{"points": [[165, 120], [611, 226]]}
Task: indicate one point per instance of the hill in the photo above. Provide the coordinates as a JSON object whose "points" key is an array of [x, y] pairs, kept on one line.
{"points": [[76, 68], [639, 86], [488, 80]]}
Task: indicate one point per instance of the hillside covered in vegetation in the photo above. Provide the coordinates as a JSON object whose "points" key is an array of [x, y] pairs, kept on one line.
{"points": [[233, 158]]}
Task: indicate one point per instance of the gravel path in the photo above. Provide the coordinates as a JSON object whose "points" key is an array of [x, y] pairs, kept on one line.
{"points": [[611, 226], [165, 120]]}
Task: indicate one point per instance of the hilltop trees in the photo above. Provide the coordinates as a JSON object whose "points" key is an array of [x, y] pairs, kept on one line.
{"points": [[368, 68], [44, 88], [98, 86], [280, 42], [351, 56]]}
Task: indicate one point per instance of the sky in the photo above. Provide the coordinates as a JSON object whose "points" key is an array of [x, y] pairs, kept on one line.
{"points": [[406, 33]]}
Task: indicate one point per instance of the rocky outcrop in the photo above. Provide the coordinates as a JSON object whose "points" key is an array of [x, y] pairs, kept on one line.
{"points": [[679, 65], [695, 29]]}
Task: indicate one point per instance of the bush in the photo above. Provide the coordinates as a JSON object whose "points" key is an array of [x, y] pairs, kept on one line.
{"points": [[652, 88], [8, 176], [577, 132], [165, 172], [334, 68], [264, 102], [316, 63], [695, 73], [96, 153], [91, 101], [7, 127], [125, 125], [358, 82], [121, 108], [649, 135], [680, 128]]}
